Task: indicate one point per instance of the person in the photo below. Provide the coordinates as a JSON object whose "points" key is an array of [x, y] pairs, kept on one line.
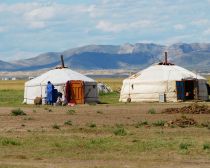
{"points": [[50, 88]]}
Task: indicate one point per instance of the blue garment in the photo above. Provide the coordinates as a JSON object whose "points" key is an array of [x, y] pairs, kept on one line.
{"points": [[50, 89]]}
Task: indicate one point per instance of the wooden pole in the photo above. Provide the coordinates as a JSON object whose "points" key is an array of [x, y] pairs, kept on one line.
{"points": [[166, 58], [62, 62]]}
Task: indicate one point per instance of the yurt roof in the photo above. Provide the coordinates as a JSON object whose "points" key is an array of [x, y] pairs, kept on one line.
{"points": [[164, 73], [58, 76]]}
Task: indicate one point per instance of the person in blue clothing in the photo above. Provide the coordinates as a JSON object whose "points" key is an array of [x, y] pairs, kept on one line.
{"points": [[49, 90]]}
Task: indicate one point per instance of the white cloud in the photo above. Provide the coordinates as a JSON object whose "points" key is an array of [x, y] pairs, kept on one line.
{"points": [[108, 26], [177, 39], [179, 27], [38, 17], [2, 30], [206, 32], [200, 22]]}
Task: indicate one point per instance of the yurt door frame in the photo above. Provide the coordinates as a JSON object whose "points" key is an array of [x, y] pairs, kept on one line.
{"points": [[187, 89], [77, 91]]}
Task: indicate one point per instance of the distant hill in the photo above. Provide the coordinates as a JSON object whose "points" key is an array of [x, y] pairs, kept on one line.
{"points": [[195, 56]]}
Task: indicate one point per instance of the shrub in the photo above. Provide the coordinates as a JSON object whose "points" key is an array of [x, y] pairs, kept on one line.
{"points": [[92, 125], [206, 146], [28, 118], [141, 123], [152, 111], [8, 141], [159, 123], [17, 112], [120, 131], [184, 146], [55, 126], [71, 112], [99, 112], [68, 122], [48, 109]]}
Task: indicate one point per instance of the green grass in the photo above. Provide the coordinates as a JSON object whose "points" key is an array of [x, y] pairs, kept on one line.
{"points": [[206, 146], [184, 146], [11, 97], [71, 112], [17, 112], [109, 98], [55, 126], [152, 111], [141, 123], [68, 122], [120, 131], [91, 125], [159, 123], [5, 141]]}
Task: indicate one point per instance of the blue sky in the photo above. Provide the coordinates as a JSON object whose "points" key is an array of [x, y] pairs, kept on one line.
{"points": [[31, 27]]}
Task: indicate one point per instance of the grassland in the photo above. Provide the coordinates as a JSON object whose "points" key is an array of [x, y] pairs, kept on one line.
{"points": [[112, 135]]}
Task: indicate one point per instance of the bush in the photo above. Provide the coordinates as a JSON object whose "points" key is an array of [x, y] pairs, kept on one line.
{"points": [[28, 118], [120, 131], [141, 123], [152, 111], [17, 112], [68, 122], [184, 146], [47, 109], [99, 112], [8, 141], [55, 126], [206, 146], [159, 123], [71, 112], [92, 125]]}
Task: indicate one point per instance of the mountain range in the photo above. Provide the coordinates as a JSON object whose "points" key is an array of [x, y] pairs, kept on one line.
{"points": [[194, 56]]}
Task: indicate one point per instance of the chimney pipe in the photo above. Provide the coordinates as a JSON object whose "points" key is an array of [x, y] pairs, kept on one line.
{"points": [[62, 62], [166, 58]]}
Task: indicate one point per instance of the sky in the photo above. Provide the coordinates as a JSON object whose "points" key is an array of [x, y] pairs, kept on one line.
{"points": [[32, 27]]}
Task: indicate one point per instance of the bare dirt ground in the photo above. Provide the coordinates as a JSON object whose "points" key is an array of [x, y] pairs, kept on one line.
{"points": [[33, 140]]}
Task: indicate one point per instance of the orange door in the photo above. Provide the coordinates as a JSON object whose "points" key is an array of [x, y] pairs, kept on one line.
{"points": [[77, 91]]}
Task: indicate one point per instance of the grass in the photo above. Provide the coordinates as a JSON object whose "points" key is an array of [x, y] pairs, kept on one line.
{"points": [[152, 111], [120, 131], [9, 141], [206, 146], [159, 123], [91, 125], [11, 97], [141, 123], [71, 112], [109, 98], [68, 122], [17, 112], [55, 126], [104, 143], [12, 85], [184, 146]]}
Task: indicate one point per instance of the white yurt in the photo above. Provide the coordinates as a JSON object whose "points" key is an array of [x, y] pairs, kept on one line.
{"points": [[164, 82], [58, 77]]}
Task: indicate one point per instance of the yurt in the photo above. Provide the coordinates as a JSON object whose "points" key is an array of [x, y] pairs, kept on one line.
{"points": [[164, 82], [85, 88]]}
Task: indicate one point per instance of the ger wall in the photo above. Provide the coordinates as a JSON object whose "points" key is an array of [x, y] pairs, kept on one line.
{"points": [[149, 91]]}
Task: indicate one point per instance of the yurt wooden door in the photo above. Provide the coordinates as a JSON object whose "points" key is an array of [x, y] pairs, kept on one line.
{"points": [[77, 91]]}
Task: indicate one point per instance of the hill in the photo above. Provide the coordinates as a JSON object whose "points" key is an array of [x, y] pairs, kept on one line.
{"points": [[195, 56]]}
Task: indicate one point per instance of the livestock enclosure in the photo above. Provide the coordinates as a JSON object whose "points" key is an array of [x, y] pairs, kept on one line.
{"points": [[110, 134]]}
